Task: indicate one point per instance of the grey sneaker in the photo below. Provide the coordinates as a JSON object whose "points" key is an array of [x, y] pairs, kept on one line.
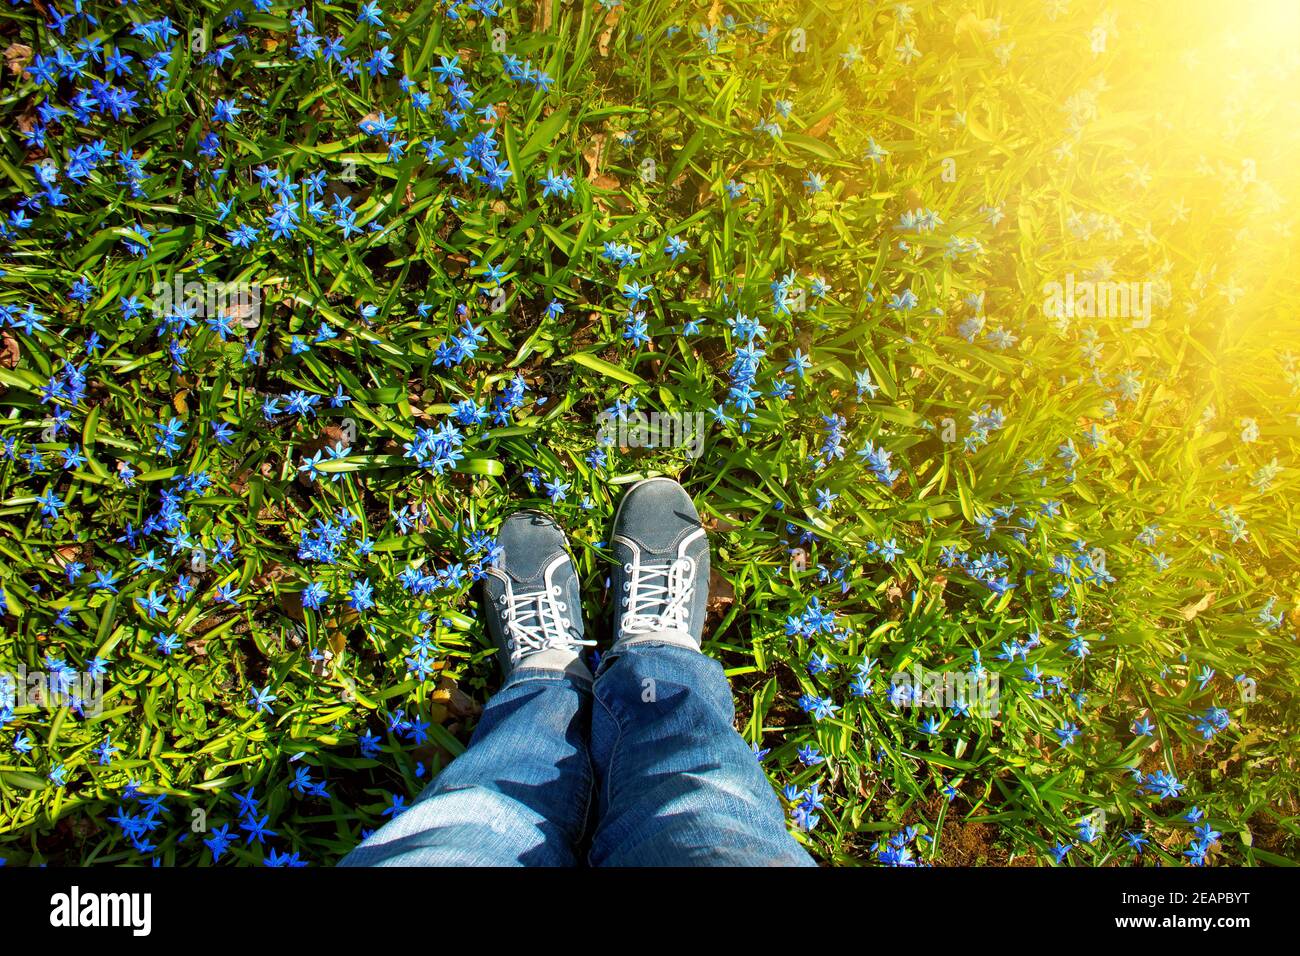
{"points": [[533, 607], [661, 583]]}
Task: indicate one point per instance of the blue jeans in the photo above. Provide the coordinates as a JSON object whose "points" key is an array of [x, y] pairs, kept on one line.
{"points": [[640, 768]]}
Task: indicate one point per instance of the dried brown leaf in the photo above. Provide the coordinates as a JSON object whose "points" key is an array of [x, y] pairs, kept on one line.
{"points": [[1196, 607], [821, 126], [593, 154], [17, 56], [9, 353], [721, 594], [611, 21], [542, 15]]}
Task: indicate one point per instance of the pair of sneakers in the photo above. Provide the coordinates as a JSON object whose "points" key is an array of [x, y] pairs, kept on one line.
{"points": [[660, 586]]}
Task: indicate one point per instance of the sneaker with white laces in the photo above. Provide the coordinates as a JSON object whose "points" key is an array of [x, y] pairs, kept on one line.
{"points": [[661, 583], [533, 606]]}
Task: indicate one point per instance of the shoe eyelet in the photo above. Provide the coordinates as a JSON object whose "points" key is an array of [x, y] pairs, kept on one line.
{"points": [[627, 568], [627, 585]]}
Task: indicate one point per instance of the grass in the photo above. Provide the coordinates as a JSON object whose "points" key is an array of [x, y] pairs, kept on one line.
{"points": [[1096, 513]]}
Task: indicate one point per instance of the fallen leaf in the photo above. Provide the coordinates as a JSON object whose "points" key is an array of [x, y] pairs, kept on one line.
{"points": [[9, 353], [541, 15], [67, 554], [611, 21], [457, 702], [337, 627], [721, 594], [821, 126], [276, 572], [17, 56], [1189, 613], [720, 523], [241, 310], [592, 154]]}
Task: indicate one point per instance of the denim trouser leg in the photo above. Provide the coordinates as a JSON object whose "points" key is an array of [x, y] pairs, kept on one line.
{"points": [[676, 784], [518, 796]]}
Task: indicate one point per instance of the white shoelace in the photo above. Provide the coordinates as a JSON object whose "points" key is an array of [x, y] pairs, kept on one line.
{"points": [[535, 621], [658, 596]]}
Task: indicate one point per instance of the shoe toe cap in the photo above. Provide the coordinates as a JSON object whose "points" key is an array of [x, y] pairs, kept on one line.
{"points": [[529, 541], [657, 514]]}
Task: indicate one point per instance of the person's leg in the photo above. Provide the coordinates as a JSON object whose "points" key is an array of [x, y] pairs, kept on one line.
{"points": [[518, 796], [521, 792], [676, 785]]}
